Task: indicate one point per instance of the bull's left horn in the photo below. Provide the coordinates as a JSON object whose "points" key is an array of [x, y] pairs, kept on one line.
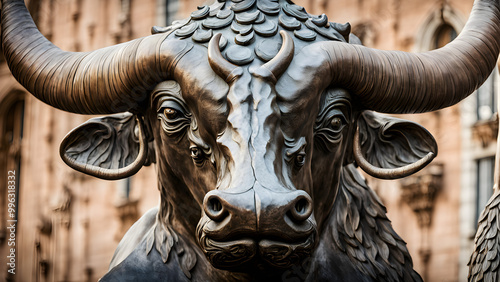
{"points": [[222, 67], [108, 80], [400, 82]]}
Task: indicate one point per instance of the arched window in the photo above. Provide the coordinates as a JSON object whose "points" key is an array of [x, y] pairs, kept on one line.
{"points": [[440, 28], [444, 35], [486, 105]]}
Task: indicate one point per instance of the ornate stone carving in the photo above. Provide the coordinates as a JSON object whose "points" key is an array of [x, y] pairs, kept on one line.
{"points": [[486, 131], [419, 192]]}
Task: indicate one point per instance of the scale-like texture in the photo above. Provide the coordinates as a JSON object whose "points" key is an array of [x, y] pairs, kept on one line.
{"points": [[250, 28], [484, 262]]}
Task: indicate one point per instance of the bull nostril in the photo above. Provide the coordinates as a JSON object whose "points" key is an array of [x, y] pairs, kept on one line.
{"points": [[302, 208], [215, 204], [214, 208]]}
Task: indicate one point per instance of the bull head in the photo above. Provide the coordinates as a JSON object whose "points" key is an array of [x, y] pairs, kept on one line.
{"points": [[256, 147]]}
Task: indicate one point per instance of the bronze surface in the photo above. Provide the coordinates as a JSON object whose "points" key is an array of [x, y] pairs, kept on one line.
{"points": [[250, 110]]}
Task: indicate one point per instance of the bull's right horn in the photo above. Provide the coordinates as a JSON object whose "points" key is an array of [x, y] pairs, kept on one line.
{"points": [[278, 65], [108, 80]]}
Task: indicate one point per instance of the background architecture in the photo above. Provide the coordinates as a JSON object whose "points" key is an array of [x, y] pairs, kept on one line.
{"points": [[69, 224]]}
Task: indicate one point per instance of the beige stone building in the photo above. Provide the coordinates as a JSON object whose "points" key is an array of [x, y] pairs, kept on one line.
{"points": [[69, 224]]}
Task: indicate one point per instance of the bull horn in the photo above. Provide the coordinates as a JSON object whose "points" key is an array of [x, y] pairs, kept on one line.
{"points": [[219, 64], [108, 80], [282, 60], [400, 82]]}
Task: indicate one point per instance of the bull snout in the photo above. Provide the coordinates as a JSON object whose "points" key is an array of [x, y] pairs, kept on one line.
{"points": [[278, 226], [294, 207]]}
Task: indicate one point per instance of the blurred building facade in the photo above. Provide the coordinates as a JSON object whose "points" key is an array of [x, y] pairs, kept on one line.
{"points": [[69, 224]]}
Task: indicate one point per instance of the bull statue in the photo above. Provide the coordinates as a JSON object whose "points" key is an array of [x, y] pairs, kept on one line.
{"points": [[256, 115]]}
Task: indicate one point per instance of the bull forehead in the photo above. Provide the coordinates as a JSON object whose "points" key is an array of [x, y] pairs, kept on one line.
{"points": [[253, 134]]}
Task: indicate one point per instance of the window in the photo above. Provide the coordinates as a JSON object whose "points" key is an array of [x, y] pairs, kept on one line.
{"points": [[124, 188], [486, 98], [485, 170], [444, 35], [171, 11]]}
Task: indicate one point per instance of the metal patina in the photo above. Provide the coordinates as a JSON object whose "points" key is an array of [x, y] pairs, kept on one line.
{"points": [[256, 115]]}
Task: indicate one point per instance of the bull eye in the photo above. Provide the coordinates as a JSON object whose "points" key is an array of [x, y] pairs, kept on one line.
{"points": [[300, 159], [336, 124], [197, 155], [334, 117], [171, 113], [174, 116]]}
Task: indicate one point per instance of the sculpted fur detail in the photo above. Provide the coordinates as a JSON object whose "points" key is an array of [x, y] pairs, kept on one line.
{"points": [[360, 228]]}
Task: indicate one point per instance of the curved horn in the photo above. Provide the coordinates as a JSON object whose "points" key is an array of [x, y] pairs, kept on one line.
{"points": [[400, 82], [278, 65], [108, 80], [219, 64]]}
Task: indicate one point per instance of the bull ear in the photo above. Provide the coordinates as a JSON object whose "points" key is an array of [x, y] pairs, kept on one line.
{"points": [[391, 148], [111, 147]]}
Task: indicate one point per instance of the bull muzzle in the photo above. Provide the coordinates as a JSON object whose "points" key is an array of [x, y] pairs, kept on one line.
{"points": [[237, 229]]}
